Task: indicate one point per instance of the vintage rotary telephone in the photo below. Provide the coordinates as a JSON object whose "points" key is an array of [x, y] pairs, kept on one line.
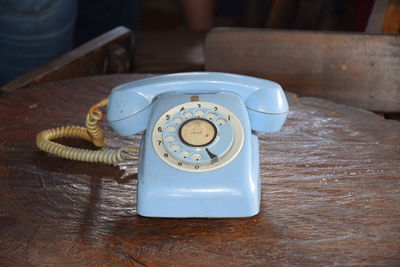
{"points": [[198, 156]]}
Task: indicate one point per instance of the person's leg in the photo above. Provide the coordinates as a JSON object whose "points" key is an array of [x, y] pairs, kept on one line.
{"points": [[32, 33]]}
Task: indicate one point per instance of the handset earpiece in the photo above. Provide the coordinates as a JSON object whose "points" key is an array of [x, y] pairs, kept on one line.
{"points": [[267, 108], [128, 111]]}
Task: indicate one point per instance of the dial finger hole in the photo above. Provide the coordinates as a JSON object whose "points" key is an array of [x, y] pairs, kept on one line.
{"points": [[221, 122], [177, 121], [198, 113], [184, 154], [174, 148], [171, 129], [187, 115], [196, 156], [211, 115], [169, 139]]}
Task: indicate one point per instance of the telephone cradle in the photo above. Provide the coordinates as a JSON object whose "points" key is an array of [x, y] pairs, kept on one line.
{"points": [[198, 155]]}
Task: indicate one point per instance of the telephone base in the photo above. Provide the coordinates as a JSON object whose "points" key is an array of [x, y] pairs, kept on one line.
{"points": [[224, 193]]}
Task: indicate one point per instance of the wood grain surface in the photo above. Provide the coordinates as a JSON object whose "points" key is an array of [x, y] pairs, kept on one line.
{"points": [[330, 193], [350, 68]]}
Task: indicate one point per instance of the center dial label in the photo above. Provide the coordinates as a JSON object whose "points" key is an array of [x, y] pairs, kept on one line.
{"points": [[197, 132]]}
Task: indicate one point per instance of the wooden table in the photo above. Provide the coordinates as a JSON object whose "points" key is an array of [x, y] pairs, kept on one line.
{"points": [[330, 193]]}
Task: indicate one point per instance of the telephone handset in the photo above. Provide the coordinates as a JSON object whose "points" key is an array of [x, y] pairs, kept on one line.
{"points": [[198, 156], [130, 104]]}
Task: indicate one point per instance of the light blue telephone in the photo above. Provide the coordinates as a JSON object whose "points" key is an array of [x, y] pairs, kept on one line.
{"points": [[198, 156]]}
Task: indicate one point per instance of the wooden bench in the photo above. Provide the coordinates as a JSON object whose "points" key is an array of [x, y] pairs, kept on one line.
{"points": [[108, 53], [357, 69]]}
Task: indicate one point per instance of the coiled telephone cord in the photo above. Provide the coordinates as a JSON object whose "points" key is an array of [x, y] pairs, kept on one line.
{"points": [[92, 133]]}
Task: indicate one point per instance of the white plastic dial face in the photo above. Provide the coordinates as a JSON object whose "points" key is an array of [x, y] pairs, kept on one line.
{"points": [[197, 136]]}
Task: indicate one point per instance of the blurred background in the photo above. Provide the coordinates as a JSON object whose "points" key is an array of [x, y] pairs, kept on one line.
{"points": [[169, 34]]}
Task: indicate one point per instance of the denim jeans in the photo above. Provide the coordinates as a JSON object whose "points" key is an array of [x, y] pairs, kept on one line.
{"points": [[32, 32]]}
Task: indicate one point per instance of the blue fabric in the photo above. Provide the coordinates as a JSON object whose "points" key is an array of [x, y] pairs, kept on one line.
{"points": [[32, 33]]}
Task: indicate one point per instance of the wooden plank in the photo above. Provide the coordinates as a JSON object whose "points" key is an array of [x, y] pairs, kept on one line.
{"points": [[356, 69], [90, 58], [385, 17], [392, 19], [330, 192], [377, 16]]}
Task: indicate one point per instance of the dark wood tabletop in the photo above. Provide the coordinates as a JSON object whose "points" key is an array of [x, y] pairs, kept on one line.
{"points": [[330, 192]]}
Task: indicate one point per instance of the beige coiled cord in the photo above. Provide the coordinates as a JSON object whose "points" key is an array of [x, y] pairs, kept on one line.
{"points": [[92, 133]]}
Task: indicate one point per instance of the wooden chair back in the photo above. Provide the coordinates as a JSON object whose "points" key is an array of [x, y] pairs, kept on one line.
{"points": [[357, 69], [108, 53], [385, 17]]}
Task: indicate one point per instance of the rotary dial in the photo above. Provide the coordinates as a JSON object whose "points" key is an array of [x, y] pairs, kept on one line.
{"points": [[197, 136]]}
